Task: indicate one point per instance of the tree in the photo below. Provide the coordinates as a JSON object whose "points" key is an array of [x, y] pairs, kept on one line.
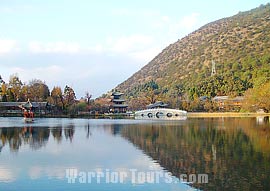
{"points": [[258, 98], [179, 89], [152, 92], [101, 105], [3, 92], [69, 96], [38, 90], [57, 97], [88, 97], [15, 85], [137, 103], [195, 103], [10, 95]]}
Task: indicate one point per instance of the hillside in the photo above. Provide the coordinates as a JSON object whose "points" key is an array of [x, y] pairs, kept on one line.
{"points": [[239, 45]]}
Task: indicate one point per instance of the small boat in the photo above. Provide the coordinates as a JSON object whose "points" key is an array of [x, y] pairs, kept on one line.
{"points": [[157, 111]]}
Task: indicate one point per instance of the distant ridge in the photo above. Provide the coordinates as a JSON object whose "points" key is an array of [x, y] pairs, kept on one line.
{"points": [[234, 43]]}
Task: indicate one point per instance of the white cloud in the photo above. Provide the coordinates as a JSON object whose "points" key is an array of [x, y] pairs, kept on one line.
{"points": [[146, 55], [17, 8], [127, 44], [54, 47], [48, 73], [189, 21], [135, 12], [165, 18], [121, 12], [6, 175], [136, 46], [98, 48], [180, 28], [35, 172], [7, 46], [142, 48], [6, 10], [161, 22]]}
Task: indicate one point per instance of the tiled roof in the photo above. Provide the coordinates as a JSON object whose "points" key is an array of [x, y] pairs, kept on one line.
{"points": [[17, 104], [157, 104]]}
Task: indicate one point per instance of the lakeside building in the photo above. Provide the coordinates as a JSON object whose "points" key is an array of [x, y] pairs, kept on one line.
{"points": [[227, 103], [15, 107], [118, 103], [158, 104]]}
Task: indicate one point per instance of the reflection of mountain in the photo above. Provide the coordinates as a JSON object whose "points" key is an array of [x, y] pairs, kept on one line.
{"points": [[35, 137], [234, 152]]}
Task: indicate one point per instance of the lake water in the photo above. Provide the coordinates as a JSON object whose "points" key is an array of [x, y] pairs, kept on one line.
{"points": [[103, 154]]}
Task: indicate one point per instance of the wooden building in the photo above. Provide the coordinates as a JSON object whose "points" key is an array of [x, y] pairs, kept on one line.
{"points": [[227, 103], [158, 104], [15, 107], [118, 103]]}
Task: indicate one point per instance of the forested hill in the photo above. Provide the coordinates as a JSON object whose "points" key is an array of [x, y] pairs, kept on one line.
{"points": [[239, 45]]}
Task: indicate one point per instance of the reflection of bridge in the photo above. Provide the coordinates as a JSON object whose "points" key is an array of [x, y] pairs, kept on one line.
{"points": [[262, 120]]}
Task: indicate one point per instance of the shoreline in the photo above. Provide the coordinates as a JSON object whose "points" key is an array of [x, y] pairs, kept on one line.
{"points": [[125, 116], [224, 114]]}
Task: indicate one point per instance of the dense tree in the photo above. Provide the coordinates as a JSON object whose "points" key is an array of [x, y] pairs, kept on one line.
{"points": [[15, 85], [57, 97], [3, 92], [101, 105], [258, 98], [10, 95], [37, 90], [136, 104], [69, 96], [152, 92]]}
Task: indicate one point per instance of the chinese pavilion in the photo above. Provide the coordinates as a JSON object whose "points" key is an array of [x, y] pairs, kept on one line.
{"points": [[118, 103]]}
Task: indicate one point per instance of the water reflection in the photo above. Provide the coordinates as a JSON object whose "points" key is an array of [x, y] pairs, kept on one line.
{"points": [[43, 153], [234, 152], [35, 137], [262, 120]]}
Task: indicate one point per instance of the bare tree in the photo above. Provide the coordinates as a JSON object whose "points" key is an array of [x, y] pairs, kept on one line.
{"points": [[88, 97]]}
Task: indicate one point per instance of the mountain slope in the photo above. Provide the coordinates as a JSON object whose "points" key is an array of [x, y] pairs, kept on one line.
{"points": [[239, 45]]}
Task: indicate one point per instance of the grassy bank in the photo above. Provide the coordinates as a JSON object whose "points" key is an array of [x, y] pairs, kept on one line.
{"points": [[224, 114]]}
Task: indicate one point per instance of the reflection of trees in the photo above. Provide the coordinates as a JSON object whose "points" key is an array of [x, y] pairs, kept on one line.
{"points": [[69, 132], [12, 137], [234, 152], [40, 137], [88, 132], [57, 134], [115, 128], [15, 137], [35, 137], [1, 144]]}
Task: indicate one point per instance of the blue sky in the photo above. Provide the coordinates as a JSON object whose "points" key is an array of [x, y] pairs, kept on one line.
{"points": [[95, 45]]}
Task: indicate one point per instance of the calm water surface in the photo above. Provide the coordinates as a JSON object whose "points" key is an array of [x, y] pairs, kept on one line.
{"points": [[233, 152]]}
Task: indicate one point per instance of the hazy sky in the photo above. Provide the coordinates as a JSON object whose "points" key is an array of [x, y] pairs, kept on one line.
{"points": [[95, 45]]}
